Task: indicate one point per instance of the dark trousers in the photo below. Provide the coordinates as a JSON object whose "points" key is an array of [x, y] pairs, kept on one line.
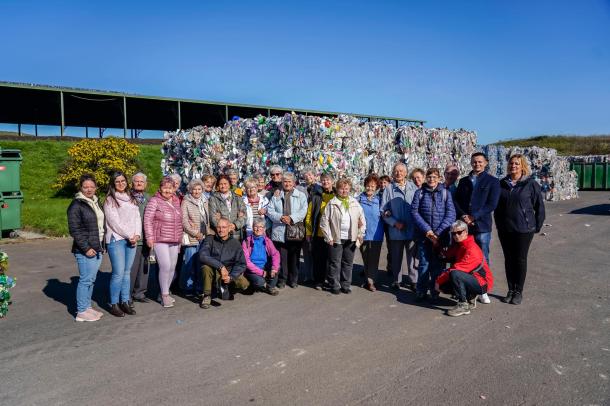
{"points": [[341, 262], [139, 273], [386, 233], [258, 281], [289, 254], [319, 251], [515, 247], [370, 251], [464, 285], [397, 249]]}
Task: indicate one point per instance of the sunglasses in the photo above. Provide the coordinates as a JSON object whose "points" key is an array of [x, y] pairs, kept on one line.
{"points": [[457, 232]]}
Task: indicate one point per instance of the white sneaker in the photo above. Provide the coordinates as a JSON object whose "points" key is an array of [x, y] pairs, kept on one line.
{"points": [[484, 299]]}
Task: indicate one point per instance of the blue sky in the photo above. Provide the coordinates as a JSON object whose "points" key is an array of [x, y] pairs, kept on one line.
{"points": [[504, 68]]}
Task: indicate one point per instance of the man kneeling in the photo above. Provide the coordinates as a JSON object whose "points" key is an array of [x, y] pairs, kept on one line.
{"points": [[222, 259], [469, 274], [262, 259]]}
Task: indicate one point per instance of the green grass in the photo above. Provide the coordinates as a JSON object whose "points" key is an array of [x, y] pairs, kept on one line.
{"points": [[565, 144], [44, 212]]}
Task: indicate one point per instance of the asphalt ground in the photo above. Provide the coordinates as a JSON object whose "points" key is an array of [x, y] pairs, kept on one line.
{"points": [[306, 347]]}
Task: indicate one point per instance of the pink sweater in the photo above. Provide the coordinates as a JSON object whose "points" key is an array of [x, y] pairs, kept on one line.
{"points": [[163, 220], [122, 221]]}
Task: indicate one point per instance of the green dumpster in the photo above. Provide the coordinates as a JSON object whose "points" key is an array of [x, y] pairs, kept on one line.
{"points": [[10, 165], [592, 176], [10, 212]]}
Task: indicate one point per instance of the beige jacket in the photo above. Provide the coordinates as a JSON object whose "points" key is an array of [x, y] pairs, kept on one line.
{"points": [[330, 222], [192, 219]]}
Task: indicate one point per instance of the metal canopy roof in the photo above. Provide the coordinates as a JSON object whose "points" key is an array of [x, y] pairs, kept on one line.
{"points": [[22, 103]]}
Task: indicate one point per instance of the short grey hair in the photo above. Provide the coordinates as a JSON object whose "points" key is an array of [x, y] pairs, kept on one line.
{"points": [[276, 168], [288, 176], [193, 183], [175, 177], [231, 171], [138, 175], [250, 183], [308, 171], [399, 163], [459, 225], [259, 220]]}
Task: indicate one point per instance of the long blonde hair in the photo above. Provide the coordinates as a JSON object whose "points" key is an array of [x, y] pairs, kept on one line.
{"points": [[525, 166]]}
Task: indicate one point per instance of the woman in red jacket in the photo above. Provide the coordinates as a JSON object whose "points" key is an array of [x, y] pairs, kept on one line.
{"points": [[469, 274], [163, 230]]}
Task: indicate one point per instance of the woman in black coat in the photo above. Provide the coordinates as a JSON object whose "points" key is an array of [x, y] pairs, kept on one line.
{"points": [[519, 215], [86, 226]]}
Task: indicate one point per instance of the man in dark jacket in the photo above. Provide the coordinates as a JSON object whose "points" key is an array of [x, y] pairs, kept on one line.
{"points": [[222, 258], [476, 198]]}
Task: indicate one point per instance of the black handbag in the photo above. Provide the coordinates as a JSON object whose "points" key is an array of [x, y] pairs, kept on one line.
{"points": [[295, 232]]}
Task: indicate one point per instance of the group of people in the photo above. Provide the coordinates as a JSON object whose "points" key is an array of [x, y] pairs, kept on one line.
{"points": [[219, 236]]}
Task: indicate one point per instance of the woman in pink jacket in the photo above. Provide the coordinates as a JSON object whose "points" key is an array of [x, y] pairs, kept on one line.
{"points": [[123, 230], [163, 228], [262, 259]]}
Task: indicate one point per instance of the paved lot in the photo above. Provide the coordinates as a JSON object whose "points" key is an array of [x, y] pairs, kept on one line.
{"points": [[311, 348]]}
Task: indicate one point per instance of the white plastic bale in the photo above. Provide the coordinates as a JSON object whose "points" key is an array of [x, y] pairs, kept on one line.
{"points": [[343, 146]]}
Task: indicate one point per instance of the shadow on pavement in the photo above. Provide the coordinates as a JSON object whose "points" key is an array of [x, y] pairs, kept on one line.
{"points": [[596, 209], [65, 292]]}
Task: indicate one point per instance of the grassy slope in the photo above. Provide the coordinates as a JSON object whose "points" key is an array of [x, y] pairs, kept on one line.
{"points": [[44, 212], [566, 144]]}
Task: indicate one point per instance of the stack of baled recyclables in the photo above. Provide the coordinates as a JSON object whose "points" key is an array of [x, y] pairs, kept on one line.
{"points": [[11, 197], [342, 146]]}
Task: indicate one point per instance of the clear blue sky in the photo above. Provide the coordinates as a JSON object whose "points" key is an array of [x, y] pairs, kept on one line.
{"points": [[504, 68]]}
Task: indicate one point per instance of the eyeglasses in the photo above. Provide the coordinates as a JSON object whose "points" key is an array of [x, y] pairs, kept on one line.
{"points": [[457, 232], [276, 174]]}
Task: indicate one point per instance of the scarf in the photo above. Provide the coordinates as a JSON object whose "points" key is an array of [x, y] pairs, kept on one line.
{"points": [[344, 201], [99, 213], [139, 196], [227, 198]]}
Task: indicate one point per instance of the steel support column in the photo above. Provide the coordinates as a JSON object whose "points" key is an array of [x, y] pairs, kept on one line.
{"points": [[179, 116], [61, 110], [124, 117]]}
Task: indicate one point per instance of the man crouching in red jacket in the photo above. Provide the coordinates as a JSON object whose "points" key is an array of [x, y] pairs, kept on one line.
{"points": [[468, 275]]}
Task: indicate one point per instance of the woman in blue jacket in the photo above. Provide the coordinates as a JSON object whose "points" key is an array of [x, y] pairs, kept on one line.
{"points": [[520, 214], [433, 213], [373, 236]]}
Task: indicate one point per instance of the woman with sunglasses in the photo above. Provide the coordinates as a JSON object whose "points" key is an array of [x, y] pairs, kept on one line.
{"points": [[433, 212], [469, 274]]}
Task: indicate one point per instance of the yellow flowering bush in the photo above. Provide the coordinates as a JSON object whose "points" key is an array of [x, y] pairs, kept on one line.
{"points": [[99, 157]]}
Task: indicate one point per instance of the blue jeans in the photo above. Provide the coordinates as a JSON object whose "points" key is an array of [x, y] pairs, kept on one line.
{"points": [[188, 277], [258, 282], [430, 267], [464, 285], [121, 255], [483, 240], [87, 271]]}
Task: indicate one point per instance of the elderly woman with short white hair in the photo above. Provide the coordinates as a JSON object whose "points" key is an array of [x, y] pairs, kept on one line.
{"points": [[256, 205], [195, 222], [469, 275]]}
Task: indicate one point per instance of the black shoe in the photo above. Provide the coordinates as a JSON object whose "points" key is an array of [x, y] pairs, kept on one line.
{"points": [[517, 297], [116, 311], [509, 297], [347, 291], [434, 299], [127, 309], [141, 299], [318, 286], [281, 285], [395, 286], [335, 291], [420, 297], [293, 285]]}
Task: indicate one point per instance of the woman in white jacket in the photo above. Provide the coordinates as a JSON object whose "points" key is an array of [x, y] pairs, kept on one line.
{"points": [[343, 225]]}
